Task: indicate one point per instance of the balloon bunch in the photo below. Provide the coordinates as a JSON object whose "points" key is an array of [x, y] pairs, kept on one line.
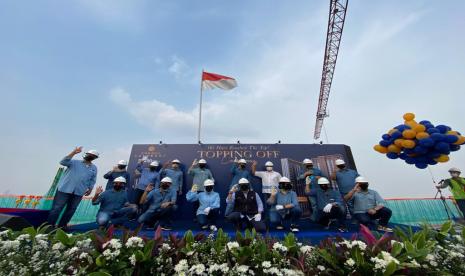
{"points": [[420, 144]]}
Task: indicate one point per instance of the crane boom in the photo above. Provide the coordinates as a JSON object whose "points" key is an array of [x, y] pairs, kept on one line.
{"points": [[337, 15]]}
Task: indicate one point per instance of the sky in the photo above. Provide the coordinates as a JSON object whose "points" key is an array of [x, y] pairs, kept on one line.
{"points": [[108, 74]]}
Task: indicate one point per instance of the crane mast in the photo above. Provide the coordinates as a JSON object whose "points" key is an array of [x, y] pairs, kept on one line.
{"points": [[337, 15]]}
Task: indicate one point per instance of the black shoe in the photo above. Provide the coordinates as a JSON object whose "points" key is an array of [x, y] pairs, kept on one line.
{"points": [[294, 228]]}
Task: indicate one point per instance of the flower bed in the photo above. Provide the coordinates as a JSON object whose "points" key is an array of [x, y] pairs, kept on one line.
{"points": [[428, 252]]}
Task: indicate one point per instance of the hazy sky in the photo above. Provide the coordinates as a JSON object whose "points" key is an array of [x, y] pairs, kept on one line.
{"points": [[108, 74]]}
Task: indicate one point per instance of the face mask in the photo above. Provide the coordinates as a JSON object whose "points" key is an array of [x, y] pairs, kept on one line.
{"points": [[324, 187], [341, 167], [175, 166], [309, 167], [244, 187], [363, 186], [454, 174], [281, 186], [209, 188], [117, 187], [288, 186], [153, 168], [89, 157], [242, 166], [121, 167], [201, 166], [165, 186], [269, 169]]}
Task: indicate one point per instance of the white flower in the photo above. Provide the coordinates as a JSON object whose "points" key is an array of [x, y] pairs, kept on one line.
{"points": [[132, 259], [360, 244], [224, 268], [272, 271], [350, 262], [266, 264], [242, 269], [4, 234], [306, 249], [290, 272], [24, 237], [414, 263], [72, 251], [232, 245], [84, 243], [113, 243], [111, 254], [431, 259], [58, 246], [11, 244], [135, 242], [320, 267], [83, 255], [197, 269], [41, 237], [165, 247], [279, 247], [182, 266]]}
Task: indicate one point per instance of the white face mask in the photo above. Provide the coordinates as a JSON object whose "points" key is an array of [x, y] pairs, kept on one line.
{"points": [[269, 169]]}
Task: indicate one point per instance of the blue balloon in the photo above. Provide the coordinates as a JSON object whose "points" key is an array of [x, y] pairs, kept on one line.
{"points": [[442, 147], [403, 155], [408, 151], [421, 165], [442, 128], [425, 122], [451, 139], [454, 147], [396, 135], [384, 143], [431, 162], [410, 160], [437, 136], [428, 126], [433, 154], [426, 143], [432, 130], [386, 136], [392, 155], [420, 150]]}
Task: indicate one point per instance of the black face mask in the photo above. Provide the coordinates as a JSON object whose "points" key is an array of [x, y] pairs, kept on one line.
{"points": [[89, 158], [121, 167], [288, 186], [208, 188], [118, 187], [309, 167], [324, 187], [201, 166], [242, 166], [363, 186], [165, 186], [153, 168], [244, 187], [341, 167], [281, 186]]}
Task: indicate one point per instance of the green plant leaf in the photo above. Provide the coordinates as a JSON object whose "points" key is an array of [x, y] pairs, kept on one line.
{"points": [[390, 269], [99, 273], [100, 261]]}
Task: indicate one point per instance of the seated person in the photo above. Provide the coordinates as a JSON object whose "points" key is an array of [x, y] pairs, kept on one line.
{"points": [[247, 207], [161, 204], [114, 204], [369, 206], [209, 204], [330, 207], [284, 206]]}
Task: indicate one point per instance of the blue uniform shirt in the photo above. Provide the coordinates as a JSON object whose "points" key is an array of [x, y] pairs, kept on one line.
{"points": [[156, 197], [284, 199], [313, 180], [366, 200], [78, 177], [112, 200], [238, 173], [146, 177], [111, 175], [346, 180], [328, 196], [211, 199], [200, 175], [175, 175]]}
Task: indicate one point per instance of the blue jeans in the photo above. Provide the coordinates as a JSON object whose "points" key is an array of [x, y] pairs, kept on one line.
{"points": [[209, 219], [383, 214], [312, 200], [277, 219], [117, 217], [163, 215], [61, 201]]}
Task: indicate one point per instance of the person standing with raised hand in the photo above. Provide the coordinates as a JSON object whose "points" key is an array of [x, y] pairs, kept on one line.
{"points": [[148, 176], [239, 171], [175, 173], [77, 181], [117, 171]]}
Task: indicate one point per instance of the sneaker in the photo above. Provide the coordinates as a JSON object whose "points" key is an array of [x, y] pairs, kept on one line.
{"points": [[204, 227], [213, 228], [279, 227], [294, 228], [342, 229], [384, 228], [166, 228]]}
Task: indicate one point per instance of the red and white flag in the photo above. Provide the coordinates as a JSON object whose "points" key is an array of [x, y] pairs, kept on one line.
{"points": [[211, 81]]}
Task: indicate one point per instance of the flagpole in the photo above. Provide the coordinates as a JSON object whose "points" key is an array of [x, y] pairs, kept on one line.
{"points": [[200, 108]]}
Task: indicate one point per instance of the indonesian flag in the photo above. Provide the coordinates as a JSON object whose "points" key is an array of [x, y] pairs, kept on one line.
{"points": [[211, 81]]}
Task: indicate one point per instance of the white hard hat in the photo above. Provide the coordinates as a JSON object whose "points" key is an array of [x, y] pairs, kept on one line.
{"points": [[269, 164], [242, 161], [340, 162], [323, 180], [361, 179], [93, 152], [176, 161], [208, 182], [243, 181], [202, 161], [154, 164], [166, 180], [284, 179], [122, 162], [454, 170], [307, 161], [120, 179]]}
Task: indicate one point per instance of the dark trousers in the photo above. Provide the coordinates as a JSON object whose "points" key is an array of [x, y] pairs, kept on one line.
{"points": [[383, 215], [61, 201], [336, 213], [137, 195], [461, 205], [209, 219], [235, 218], [163, 215], [277, 219]]}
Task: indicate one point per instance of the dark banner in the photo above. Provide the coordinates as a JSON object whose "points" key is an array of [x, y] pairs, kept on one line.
{"points": [[287, 160]]}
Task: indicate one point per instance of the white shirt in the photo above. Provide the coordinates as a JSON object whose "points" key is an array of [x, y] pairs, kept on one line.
{"points": [[269, 180]]}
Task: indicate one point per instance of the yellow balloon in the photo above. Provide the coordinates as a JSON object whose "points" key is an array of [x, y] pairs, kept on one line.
{"points": [[380, 149], [422, 135], [409, 116], [419, 128], [394, 148], [452, 132], [409, 144], [398, 142], [442, 158], [409, 134], [460, 141], [412, 124]]}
